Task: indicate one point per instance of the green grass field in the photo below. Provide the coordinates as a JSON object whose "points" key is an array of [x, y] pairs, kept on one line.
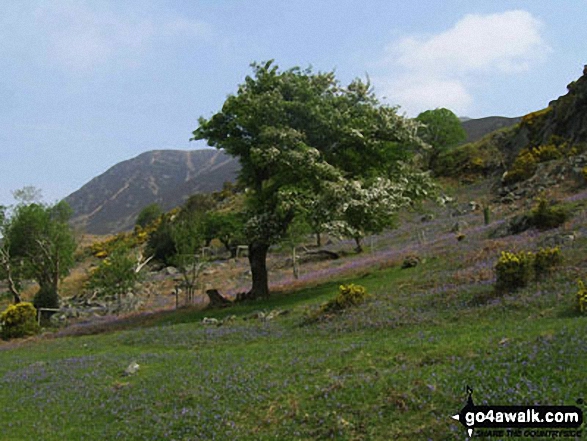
{"points": [[395, 367]]}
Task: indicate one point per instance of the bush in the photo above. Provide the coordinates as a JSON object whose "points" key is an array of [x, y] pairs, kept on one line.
{"points": [[523, 168], [348, 295], [584, 173], [513, 270], [546, 153], [545, 260], [582, 298], [19, 320], [46, 297], [545, 216]]}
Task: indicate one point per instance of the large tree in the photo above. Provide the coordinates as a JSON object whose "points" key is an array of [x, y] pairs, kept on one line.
{"points": [[297, 135], [442, 130]]}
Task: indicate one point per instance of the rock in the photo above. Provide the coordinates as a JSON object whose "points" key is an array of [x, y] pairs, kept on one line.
{"points": [[132, 368], [459, 226], [228, 319], [170, 271], [410, 262]]}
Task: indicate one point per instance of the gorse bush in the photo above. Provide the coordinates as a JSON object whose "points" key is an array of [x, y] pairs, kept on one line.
{"points": [[545, 216], [582, 297], [348, 295], [524, 167], [19, 320], [546, 259], [513, 271]]}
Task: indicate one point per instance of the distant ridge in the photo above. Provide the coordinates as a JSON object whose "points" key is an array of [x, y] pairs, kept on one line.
{"points": [[478, 128], [110, 202]]}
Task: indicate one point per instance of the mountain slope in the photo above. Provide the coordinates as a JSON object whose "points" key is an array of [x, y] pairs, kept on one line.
{"points": [[110, 203], [478, 128]]}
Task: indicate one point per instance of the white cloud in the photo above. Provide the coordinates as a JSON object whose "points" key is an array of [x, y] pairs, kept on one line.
{"points": [[418, 94], [79, 37], [435, 69]]}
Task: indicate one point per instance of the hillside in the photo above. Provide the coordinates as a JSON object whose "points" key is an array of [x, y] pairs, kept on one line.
{"points": [[478, 128], [110, 202], [394, 367]]}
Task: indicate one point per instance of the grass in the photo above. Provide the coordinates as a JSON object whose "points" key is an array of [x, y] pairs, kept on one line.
{"points": [[395, 367]]}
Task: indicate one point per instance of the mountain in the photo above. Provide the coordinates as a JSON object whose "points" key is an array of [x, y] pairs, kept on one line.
{"points": [[110, 202], [478, 128]]}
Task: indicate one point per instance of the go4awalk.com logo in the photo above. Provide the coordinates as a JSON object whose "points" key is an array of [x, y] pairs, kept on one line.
{"points": [[520, 421]]}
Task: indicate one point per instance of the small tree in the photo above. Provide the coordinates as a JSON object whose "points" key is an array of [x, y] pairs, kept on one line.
{"points": [[116, 275], [188, 237], [442, 130], [38, 243]]}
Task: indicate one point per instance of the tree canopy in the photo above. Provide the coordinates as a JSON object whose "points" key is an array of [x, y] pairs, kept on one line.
{"points": [[298, 136], [38, 244], [442, 130]]}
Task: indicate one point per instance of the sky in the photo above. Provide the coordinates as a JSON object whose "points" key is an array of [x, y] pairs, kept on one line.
{"points": [[87, 84]]}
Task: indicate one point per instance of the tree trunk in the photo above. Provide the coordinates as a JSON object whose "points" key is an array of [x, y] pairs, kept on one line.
{"points": [[359, 247], [318, 239], [258, 262]]}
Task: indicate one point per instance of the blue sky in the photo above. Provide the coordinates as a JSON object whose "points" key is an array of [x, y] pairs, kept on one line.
{"points": [[87, 84]]}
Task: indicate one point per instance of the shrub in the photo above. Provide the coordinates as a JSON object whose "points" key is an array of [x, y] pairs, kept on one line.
{"points": [[545, 153], [584, 173], [523, 168], [513, 270], [582, 297], [19, 320], [545, 216], [546, 259], [348, 296], [46, 297]]}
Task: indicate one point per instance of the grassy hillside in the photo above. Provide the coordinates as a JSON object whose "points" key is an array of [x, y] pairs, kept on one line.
{"points": [[395, 367]]}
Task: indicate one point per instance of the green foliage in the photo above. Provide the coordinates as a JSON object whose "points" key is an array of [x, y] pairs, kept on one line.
{"points": [[19, 320], [582, 297], [227, 227], [187, 233], [116, 275], [160, 242], [545, 260], [39, 244], [298, 134], [545, 216], [584, 173], [442, 130], [148, 215], [46, 297], [513, 270]]}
